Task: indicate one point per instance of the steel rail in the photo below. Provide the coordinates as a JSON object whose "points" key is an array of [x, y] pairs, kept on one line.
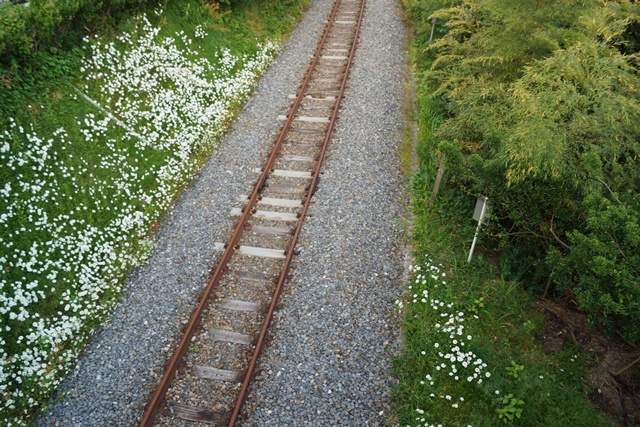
{"points": [[158, 397], [303, 212]]}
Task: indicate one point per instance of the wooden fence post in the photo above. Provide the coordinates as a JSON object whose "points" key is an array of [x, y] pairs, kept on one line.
{"points": [[436, 185]]}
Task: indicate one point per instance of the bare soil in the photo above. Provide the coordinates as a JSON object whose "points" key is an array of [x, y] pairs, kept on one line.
{"points": [[615, 375]]}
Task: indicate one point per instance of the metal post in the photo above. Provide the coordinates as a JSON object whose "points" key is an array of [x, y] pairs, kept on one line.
{"points": [[475, 237], [433, 26]]}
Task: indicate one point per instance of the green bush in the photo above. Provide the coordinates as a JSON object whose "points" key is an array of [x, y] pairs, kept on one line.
{"points": [[604, 262], [542, 115], [24, 30]]}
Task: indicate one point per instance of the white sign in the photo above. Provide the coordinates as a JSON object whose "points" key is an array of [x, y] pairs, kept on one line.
{"points": [[481, 214], [483, 210]]}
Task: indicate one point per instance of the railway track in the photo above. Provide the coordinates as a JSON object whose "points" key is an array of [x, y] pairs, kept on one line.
{"points": [[209, 374]]}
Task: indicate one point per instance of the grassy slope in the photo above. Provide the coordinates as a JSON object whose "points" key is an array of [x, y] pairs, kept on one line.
{"points": [[45, 98], [505, 333]]}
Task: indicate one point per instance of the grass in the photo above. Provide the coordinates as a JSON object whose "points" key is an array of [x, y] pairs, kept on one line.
{"points": [[493, 321], [406, 146], [80, 193], [500, 373]]}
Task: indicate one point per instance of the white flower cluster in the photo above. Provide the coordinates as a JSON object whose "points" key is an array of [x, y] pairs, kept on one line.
{"points": [[421, 419], [426, 423], [173, 101], [200, 32], [456, 363], [61, 262]]}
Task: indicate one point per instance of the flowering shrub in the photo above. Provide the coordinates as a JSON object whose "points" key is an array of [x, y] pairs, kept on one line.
{"points": [[76, 202], [450, 359]]}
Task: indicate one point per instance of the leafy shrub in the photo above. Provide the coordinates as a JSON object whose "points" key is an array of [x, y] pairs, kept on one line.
{"points": [[543, 116], [26, 29], [604, 262]]}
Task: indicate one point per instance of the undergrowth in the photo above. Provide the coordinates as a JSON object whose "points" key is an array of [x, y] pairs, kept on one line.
{"points": [[473, 337], [473, 350], [475, 353]]}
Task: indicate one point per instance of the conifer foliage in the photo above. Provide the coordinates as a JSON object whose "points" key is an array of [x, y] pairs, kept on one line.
{"points": [[542, 102]]}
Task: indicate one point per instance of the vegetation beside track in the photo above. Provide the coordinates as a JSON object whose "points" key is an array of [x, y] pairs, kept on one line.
{"points": [[535, 104], [99, 131]]}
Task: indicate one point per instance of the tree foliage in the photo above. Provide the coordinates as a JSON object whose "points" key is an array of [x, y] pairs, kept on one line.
{"points": [[25, 29], [542, 104]]}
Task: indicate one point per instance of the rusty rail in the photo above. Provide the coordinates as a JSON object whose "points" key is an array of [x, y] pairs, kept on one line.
{"points": [[157, 399], [305, 207]]}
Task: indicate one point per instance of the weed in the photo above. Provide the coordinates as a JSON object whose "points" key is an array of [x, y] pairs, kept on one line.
{"points": [[514, 369], [510, 409], [438, 382]]}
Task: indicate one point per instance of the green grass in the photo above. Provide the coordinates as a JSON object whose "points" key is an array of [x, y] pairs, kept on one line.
{"points": [[49, 103], [535, 388], [505, 335]]}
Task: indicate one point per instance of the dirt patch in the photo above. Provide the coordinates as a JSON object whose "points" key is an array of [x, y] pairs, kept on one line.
{"points": [[615, 376]]}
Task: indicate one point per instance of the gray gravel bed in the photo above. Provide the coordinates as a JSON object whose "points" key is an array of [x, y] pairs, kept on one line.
{"points": [[336, 333], [124, 361]]}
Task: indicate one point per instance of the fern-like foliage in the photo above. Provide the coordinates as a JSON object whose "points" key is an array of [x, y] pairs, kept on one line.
{"points": [[542, 114]]}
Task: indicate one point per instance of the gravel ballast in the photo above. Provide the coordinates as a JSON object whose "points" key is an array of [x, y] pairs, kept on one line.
{"points": [[335, 334]]}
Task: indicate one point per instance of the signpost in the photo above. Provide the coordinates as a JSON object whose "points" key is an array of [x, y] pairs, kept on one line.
{"points": [[480, 214], [433, 26]]}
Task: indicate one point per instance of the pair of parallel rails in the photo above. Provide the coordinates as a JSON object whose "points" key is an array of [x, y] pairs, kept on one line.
{"points": [[209, 374]]}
